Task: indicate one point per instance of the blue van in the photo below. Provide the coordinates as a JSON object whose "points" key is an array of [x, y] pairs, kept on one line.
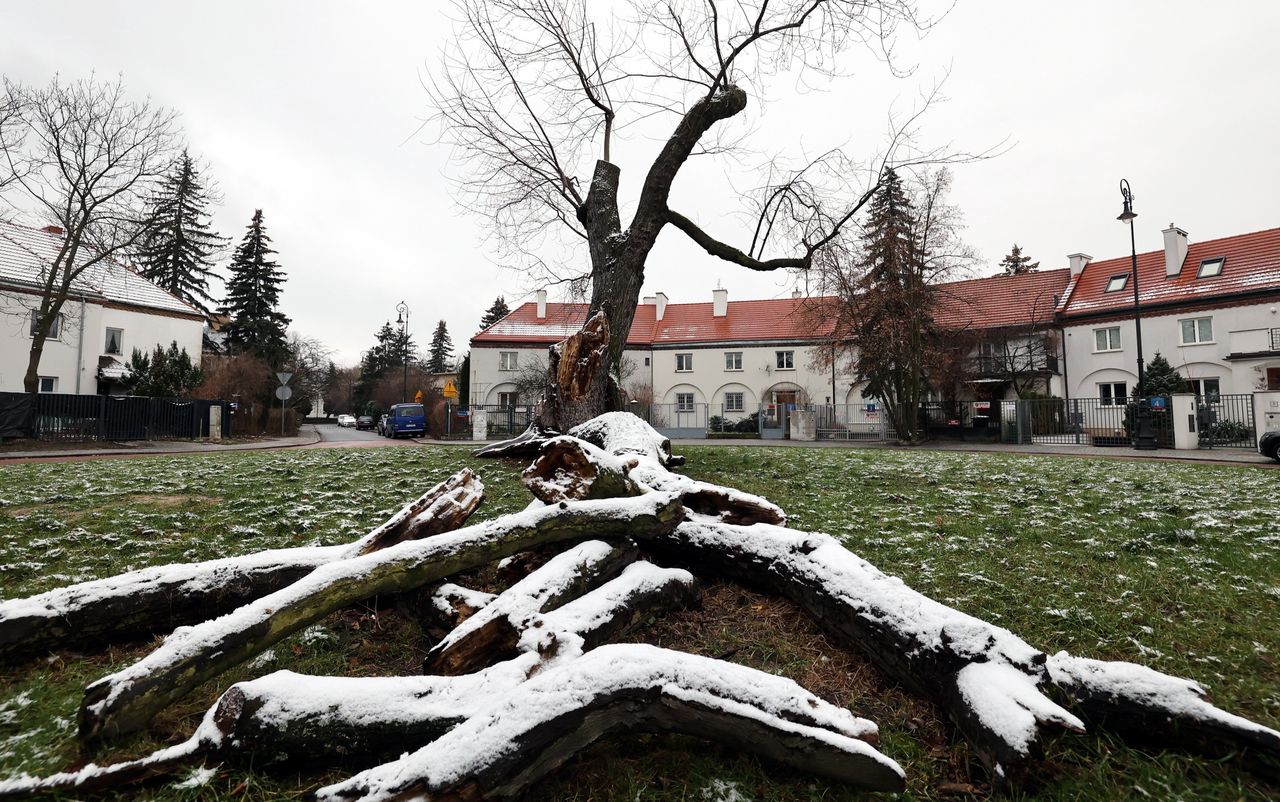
{"points": [[405, 419]]}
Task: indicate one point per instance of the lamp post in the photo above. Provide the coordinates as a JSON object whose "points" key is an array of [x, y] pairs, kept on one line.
{"points": [[403, 319], [1146, 439]]}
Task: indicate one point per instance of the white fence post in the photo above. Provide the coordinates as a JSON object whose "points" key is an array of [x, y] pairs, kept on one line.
{"points": [[1186, 435], [1266, 413], [479, 424]]}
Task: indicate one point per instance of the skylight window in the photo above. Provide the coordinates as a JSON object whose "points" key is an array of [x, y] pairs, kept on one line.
{"points": [[1117, 283], [1211, 267]]}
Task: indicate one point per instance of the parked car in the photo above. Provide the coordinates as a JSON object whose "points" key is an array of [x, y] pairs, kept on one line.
{"points": [[1269, 445], [364, 422], [405, 419], [348, 421], [382, 426]]}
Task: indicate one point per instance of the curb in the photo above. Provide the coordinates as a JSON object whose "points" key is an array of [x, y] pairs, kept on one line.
{"points": [[17, 457]]}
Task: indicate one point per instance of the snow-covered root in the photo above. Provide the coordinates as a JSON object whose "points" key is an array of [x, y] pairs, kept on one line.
{"points": [[499, 752], [1156, 707], [492, 633], [127, 700], [623, 434], [141, 603], [525, 445]]}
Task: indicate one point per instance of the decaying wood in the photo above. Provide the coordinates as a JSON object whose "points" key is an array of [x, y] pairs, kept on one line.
{"points": [[569, 469], [127, 700], [151, 600], [440, 608], [581, 385], [525, 445], [501, 751], [492, 634]]}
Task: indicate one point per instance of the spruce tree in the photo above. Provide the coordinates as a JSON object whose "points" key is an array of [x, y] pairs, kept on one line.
{"points": [[1015, 264], [178, 246], [253, 295], [497, 312], [441, 352], [1163, 378]]}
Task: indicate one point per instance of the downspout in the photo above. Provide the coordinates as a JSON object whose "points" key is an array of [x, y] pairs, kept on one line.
{"points": [[80, 347], [1066, 379]]}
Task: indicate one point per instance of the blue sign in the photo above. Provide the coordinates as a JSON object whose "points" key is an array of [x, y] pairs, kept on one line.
{"points": [[1159, 402]]}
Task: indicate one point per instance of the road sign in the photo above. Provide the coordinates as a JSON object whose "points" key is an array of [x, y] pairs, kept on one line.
{"points": [[284, 393], [284, 378], [417, 397], [450, 390]]}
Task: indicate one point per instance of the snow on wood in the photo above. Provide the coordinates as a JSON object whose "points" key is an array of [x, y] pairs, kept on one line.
{"points": [[141, 603], [913, 638], [523, 735], [126, 701], [622, 433], [525, 445], [1159, 707], [570, 469]]}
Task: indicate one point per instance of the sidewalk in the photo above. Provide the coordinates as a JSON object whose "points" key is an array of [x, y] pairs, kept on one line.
{"points": [[1234, 456], [307, 436]]}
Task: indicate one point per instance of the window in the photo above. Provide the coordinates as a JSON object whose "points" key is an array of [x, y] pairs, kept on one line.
{"points": [[1211, 267], [1209, 389], [785, 359], [1196, 331], [684, 364], [55, 331], [733, 360], [684, 402], [507, 360], [646, 361], [1113, 393], [115, 342], [48, 384], [1275, 339], [1117, 283], [733, 402], [508, 400], [1106, 339]]}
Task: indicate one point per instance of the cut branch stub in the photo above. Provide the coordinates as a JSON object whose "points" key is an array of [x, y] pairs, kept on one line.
{"points": [[127, 700], [501, 751], [144, 602], [581, 385], [569, 469], [492, 634]]}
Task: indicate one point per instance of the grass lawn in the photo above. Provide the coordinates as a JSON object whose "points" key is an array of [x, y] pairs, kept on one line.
{"points": [[1175, 566]]}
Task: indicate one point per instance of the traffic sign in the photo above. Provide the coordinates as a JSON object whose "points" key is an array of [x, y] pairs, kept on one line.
{"points": [[417, 397], [284, 377], [450, 390], [284, 393]]}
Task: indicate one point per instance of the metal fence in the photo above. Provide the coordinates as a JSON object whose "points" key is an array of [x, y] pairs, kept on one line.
{"points": [[865, 422], [502, 421], [1226, 421], [1097, 422], [73, 418]]}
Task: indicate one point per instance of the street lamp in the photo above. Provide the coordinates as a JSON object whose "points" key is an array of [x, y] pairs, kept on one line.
{"points": [[1146, 438], [403, 321]]}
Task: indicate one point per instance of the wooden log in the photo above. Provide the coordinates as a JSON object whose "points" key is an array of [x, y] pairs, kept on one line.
{"points": [[159, 599], [569, 469], [983, 676], [1149, 707], [525, 445], [438, 609], [126, 700], [580, 384]]}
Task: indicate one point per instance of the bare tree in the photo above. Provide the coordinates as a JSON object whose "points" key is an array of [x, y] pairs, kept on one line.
{"points": [[534, 94], [82, 157]]}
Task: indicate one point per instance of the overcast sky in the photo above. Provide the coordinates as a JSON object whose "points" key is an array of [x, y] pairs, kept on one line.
{"points": [[310, 111]]}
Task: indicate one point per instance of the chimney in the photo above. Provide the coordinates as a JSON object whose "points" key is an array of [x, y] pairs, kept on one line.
{"points": [[1175, 250], [719, 302], [661, 299], [542, 304], [649, 300], [796, 294], [58, 232], [1078, 262]]}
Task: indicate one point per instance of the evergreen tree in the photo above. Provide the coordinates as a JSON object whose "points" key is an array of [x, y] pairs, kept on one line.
{"points": [[1163, 378], [497, 312], [162, 374], [464, 381], [1015, 264], [440, 355], [177, 247], [253, 295]]}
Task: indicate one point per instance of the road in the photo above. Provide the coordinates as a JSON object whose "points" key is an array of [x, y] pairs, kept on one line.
{"points": [[333, 433]]}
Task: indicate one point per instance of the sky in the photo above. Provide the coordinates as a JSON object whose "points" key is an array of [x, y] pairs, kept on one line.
{"points": [[313, 112]]}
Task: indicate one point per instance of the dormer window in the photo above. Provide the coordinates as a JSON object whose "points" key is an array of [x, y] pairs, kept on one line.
{"points": [[1211, 267], [1117, 283]]}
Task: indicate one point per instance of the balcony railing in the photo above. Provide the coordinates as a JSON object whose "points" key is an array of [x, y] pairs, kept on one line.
{"points": [[1003, 366]]}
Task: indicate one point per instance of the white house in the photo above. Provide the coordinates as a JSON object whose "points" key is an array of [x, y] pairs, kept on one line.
{"points": [[111, 311], [1210, 308]]}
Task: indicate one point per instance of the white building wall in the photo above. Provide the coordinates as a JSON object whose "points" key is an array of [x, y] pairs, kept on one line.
{"points": [[142, 330], [1241, 329], [759, 379]]}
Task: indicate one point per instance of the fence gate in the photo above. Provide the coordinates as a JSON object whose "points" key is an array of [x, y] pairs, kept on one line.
{"points": [[1226, 421]]}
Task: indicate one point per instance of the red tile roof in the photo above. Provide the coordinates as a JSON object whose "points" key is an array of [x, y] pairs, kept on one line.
{"points": [[997, 301], [975, 303], [1252, 265]]}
